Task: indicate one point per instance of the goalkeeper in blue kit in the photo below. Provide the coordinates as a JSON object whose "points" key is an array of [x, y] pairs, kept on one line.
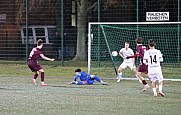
{"points": [[85, 78]]}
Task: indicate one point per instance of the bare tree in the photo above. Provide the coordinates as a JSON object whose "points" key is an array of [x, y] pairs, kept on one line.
{"points": [[81, 29], [83, 7]]}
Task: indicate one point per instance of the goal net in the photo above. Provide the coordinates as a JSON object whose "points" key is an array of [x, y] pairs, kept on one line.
{"points": [[104, 38]]}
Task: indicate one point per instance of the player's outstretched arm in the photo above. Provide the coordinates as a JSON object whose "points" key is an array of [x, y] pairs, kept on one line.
{"points": [[145, 61], [145, 58], [160, 56], [121, 54], [136, 55], [73, 82], [46, 58]]}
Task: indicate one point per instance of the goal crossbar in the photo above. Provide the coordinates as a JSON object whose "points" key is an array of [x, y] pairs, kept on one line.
{"points": [[99, 23]]}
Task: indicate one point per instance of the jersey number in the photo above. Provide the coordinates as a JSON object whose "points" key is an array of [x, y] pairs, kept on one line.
{"points": [[153, 59]]}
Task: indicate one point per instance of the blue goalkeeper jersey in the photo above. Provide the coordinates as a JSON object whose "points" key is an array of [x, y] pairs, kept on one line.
{"points": [[82, 76]]}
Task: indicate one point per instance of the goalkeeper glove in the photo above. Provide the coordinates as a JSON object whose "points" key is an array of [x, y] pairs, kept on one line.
{"points": [[73, 82]]}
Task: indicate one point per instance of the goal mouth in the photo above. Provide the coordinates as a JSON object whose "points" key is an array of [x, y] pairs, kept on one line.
{"points": [[106, 37]]}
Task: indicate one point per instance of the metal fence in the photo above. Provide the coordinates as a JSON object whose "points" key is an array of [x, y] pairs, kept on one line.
{"points": [[63, 24]]}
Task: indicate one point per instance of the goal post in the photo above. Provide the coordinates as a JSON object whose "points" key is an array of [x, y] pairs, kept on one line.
{"points": [[105, 37], [109, 50]]}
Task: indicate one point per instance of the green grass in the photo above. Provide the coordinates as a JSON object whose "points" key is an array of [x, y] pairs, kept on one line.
{"points": [[20, 97], [19, 68]]}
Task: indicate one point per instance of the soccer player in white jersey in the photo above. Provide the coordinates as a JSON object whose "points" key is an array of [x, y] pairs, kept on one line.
{"points": [[125, 52], [152, 58]]}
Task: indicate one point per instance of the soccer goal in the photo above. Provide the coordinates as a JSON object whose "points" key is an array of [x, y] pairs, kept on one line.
{"points": [[106, 37]]}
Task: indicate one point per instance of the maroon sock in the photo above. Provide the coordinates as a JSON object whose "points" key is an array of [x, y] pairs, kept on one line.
{"points": [[144, 82], [35, 76], [42, 76]]}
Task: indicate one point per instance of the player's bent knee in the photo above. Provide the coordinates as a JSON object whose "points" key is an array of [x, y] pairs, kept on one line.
{"points": [[134, 69], [41, 70], [92, 76], [37, 72], [120, 69], [160, 81]]}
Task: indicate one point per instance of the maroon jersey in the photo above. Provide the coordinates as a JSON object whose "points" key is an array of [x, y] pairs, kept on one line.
{"points": [[33, 57], [35, 54], [140, 50]]}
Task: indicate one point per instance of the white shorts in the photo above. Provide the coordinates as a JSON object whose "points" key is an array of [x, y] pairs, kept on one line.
{"points": [[156, 76], [127, 64]]}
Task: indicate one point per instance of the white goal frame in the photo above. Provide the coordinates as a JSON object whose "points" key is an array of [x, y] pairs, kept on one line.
{"points": [[126, 23]]}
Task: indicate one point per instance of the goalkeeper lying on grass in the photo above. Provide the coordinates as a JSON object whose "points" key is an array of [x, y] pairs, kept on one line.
{"points": [[85, 78]]}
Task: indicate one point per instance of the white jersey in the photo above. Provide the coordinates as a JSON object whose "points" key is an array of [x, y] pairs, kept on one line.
{"points": [[153, 57], [128, 52]]}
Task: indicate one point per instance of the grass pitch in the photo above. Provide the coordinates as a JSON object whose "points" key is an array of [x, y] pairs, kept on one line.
{"points": [[20, 97]]}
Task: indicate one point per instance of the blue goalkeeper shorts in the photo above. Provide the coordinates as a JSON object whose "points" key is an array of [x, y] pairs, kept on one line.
{"points": [[90, 81]]}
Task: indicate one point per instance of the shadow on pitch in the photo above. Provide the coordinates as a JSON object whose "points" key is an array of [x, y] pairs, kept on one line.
{"points": [[80, 86], [9, 89]]}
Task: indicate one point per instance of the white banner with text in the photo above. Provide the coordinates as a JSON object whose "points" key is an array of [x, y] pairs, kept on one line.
{"points": [[157, 16]]}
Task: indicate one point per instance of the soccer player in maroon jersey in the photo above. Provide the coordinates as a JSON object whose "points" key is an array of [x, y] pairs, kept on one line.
{"points": [[142, 68], [33, 63]]}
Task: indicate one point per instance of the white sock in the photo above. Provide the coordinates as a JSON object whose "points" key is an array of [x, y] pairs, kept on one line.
{"points": [[160, 87], [136, 76], [120, 75], [42, 82], [154, 90]]}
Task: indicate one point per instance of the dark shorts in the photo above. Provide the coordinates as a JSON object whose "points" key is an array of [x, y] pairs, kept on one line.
{"points": [[143, 68], [34, 66]]}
